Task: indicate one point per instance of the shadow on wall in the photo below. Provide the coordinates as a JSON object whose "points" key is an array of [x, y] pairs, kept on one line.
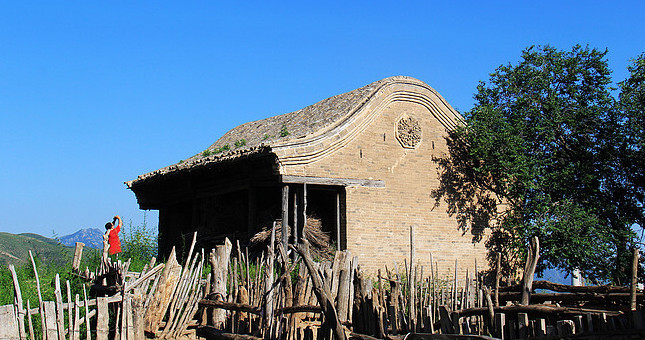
{"points": [[464, 191]]}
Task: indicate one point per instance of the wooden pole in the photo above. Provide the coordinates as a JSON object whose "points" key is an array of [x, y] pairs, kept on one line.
{"points": [[219, 259], [268, 289], [41, 309], [338, 213], [75, 329], [454, 289], [491, 310], [412, 284], [285, 216], [69, 306], [322, 293], [498, 276], [87, 315], [296, 227], [78, 253], [31, 325], [102, 318], [20, 309], [500, 324], [635, 256], [60, 317], [9, 325], [304, 211], [50, 320]]}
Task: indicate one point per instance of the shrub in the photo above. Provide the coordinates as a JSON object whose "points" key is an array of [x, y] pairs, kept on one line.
{"points": [[138, 243]]}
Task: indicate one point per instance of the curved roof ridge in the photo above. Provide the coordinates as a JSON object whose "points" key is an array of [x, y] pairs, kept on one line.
{"points": [[249, 138], [300, 123]]}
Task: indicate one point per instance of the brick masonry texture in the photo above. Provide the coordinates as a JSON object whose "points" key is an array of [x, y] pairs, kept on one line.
{"points": [[378, 220]]}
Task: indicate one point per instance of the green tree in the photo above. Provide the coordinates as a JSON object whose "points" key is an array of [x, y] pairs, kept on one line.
{"points": [[537, 156], [632, 107], [139, 243]]}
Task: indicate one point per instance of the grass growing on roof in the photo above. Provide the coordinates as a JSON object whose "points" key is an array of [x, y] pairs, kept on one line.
{"points": [[240, 143]]}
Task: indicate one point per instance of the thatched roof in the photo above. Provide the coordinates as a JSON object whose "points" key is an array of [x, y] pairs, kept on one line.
{"points": [[259, 136]]}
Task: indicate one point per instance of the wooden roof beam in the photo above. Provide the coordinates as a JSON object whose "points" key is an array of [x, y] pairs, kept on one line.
{"points": [[346, 182]]}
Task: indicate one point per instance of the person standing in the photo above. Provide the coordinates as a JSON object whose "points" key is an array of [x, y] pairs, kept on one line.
{"points": [[113, 235]]}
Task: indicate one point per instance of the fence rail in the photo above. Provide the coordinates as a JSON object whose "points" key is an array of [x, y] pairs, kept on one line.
{"points": [[283, 294]]}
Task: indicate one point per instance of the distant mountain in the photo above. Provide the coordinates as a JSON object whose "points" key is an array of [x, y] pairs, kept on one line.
{"points": [[14, 249], [92, 237]]}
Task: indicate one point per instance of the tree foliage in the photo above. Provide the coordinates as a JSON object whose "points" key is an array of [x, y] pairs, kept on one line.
{"points": [[539, 155], [632, 107], [139, 243]]}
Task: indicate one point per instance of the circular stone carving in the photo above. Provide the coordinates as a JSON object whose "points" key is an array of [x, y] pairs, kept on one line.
{"points": [[408, 132]]}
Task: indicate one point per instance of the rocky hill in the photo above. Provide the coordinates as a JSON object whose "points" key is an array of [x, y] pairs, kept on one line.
{"points": [[92, 237]]}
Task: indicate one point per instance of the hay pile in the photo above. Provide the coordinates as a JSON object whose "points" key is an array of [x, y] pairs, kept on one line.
{"points": [[319, 240]]}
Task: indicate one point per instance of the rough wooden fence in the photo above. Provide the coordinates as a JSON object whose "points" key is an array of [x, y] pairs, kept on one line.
{"points": [[519, 312], [159, 302], [281, 295]]}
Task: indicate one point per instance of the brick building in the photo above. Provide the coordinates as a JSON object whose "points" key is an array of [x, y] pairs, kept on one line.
{"points": [[362, 162]]}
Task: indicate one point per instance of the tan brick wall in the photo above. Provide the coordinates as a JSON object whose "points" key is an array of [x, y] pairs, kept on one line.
{"points": [[378, 219]]}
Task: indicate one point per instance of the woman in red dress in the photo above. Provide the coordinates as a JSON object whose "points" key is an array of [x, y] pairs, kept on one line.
{"points": [[113, 237]]}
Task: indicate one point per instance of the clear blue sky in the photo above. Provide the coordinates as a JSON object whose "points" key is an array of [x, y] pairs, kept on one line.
{"points": [[93, 94]]}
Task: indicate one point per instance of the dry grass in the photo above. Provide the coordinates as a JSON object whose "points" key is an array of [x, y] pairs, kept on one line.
{"points": [[320, 240]]}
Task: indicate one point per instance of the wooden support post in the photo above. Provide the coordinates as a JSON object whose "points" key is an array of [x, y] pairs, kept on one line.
{"points": [[523, 325], [344, 283], [268, 288], [285, 216], [304, 212], [634, 282], [87, 315], [41, 310], [219, 259], [433, 297], [323, 295], [31, 325], [50, 328], [127, 331], [338, 221], [78, 253], [69, 306], [60, 316], [75, 329], [20, 309], [491, 310], [412, 284], [500, 325], [454, 294], [8, 323], [102, 318], [296, 227], [498, 276], [137, 318]]}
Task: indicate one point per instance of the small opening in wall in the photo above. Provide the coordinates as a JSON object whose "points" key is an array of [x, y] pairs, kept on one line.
{"points": [[384, 137], [432, 145], [361, 153]]}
